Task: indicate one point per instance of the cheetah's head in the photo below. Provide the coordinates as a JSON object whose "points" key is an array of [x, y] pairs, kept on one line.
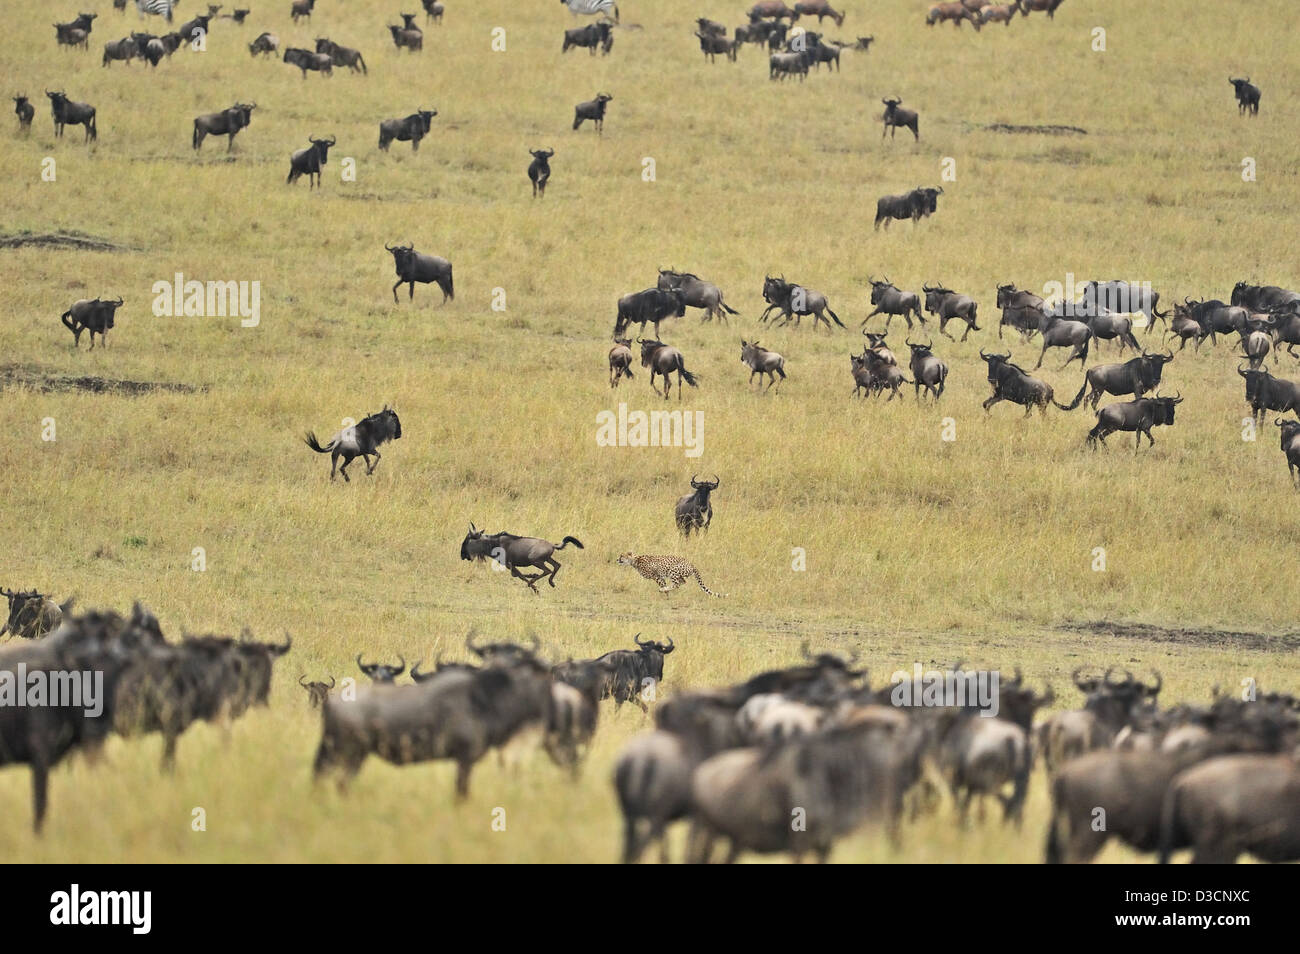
{"points": [[626, 559]]}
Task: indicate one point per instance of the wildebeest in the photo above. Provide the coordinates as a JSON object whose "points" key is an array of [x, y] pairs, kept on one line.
{"points": [[381, 672], [301, 9], [1256, 343], [1138, 416], [309, 161], [694, 511], [93, 315], [761, 361], [1184, 326], [795, 301], [1290, 443], [66, 112], [412, 128], [875, 370], [433, 10], [1267, 393], [1214, 317], [662, 359], [539, 170], [620, 361], [1284, 325], [1020, 310], [999, 13], [696, 293], [711, 44], [1234, 804], [307, 60], [927, 370], [1059, 332], [770, 9], [31, 614], [342, 55], [593, 109], [623, 675], [914, 205], [818, 9], [896, 116], [1247, 96], [781, 65], [1100, 299], [648, 305], [513, 552], [413, 266], [265, 43], [227, 123], [1113, 327], [955, 11], [412, 39], [25, 112], [591, 36], [1013, 383], [948, 304], [359, 440], [82, 24], [1049, 6], [317, 692], [1135, 376], [192, 30], [890, 301], [123, 49], [73, 36], [1262, 297]]}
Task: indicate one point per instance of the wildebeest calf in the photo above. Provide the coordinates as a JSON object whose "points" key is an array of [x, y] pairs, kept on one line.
{"points": [[539, 170], [24, 110]]}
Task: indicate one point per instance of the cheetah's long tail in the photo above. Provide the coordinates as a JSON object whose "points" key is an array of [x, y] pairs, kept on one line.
{"points": [[700, 580]]}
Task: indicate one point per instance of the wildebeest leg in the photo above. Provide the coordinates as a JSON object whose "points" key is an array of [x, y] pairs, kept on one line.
{"points": [[168, 763], [370, 468], [530, 580], [554, 571], [991, 401], [463, 768], [40, 793], [1041, 356], [943, 329], [343, 469], [395, 287]]}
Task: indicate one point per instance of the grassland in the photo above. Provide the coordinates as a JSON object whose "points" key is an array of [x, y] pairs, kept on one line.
{"points": [[918, 549]]}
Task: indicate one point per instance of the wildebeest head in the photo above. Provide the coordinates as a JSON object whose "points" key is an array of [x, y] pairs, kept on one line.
{"points": [[653, 654], [541, 153], [502, 653], [995, 362], [1290, 429], [379, 672], [402, 255], [920, 350], [1164, 408], [317, 692], [19, 607], [322, 147], [775, 290], [475, 546], [879, 289], [1255, 378], [385, 423]]}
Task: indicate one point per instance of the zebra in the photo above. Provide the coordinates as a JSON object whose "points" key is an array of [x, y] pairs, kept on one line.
{"points": [[591, 7], [157, 7]]}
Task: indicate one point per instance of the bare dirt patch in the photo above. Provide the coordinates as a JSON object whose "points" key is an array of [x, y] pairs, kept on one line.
{"points": [[1227, 639], [71, 240], [33, 379]]}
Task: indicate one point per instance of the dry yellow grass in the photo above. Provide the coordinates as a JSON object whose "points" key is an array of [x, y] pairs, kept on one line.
{"points": [[917, 549]]}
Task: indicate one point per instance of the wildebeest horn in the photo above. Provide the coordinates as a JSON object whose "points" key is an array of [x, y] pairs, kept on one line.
{"points": [[300, 680], [360, 664], [402, 668], [1171, 353], [331, 682], [637, 639], [717, 482], [983, 355], [1240, 371], [1155, 689]]}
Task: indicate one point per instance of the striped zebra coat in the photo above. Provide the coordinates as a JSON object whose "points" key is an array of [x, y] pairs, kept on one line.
{"points": [[592, 7], [161, 8]]}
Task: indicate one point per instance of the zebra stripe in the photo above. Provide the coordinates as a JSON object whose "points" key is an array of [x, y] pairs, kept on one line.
{"points": [[157, 7], [592, 7]]}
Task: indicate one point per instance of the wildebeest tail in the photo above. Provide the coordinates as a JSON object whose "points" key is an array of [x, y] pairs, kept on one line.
{"points": [[1078, 398], [450, 287], [692, 379], [727, 308], [835, 316], [1052, 854], [574, 540], [700, 580], [310, 441], [195, 138]]}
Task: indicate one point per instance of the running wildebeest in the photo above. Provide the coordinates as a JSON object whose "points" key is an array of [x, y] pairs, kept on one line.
{"points": [[1256, 343], [413, 128], [1138, 416], [93, 315], [1290, 443], [513, 552], [1184, 326], [539, 170], [1247, 96], [1101, 299], [948, 304], [309, 161], [890, 301], [761, 361], [1135, 376], [591, 36], [1020, 309], [696, 293], [123, 50], [1059, 332], [648, 305], [227, 123], [342, 55], [593, 109], [927, 370], [1013, 383], [25, 112], [265, 43], [31, 614], [1267, 393], [795, 301], [1216, 318], [413, 266], [360, 440], [956, 11], [307, 60], [381, 672], [317, 692], [66, 112], [662, 359], [1286, 328], [694, 511], [914, 205], [1262, 297], [620, 361]]}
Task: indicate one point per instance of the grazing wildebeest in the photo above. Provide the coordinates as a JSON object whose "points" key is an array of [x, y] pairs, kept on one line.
{"points": [[410, 39], [696, 293], [301, 8], [317, 692], [890, 301], [1020, 309], [914, 205], [761, 361], [591, 36], [66, 112], [309, 161], [433, 10], [25, 112], [955, 11], [593, 109], [539, 170], [360, 440], [695, 510], [1059, 332], [227, 123], [380, 672], [818, 9], [648, 305], [1049, 6], [1267, 393], [620, 361], [1247, 96], [412, 128], [307, 60], [1234, 804], [342, 55], [927, 370], [999, 13], [781, 65], [31, 614], [1013, 383], [93, 315], [948, 304], [238, 16], [1136, 376], [711, 44], [795, 301], [413, 266], [265, 43], [1138, 416], [770, 9], [513, 551], [1290, 443], [123, 49], [662, 359]]}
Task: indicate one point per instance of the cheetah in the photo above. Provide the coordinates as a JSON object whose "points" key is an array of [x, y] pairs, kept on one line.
{"points": [[668, 572]]}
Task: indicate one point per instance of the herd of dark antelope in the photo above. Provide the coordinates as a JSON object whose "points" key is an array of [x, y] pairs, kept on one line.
{"points": [[1219, 776]]}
